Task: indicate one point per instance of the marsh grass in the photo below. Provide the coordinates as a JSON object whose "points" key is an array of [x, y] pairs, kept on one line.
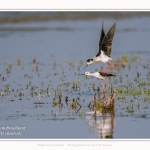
{"points": [[53, 86]]}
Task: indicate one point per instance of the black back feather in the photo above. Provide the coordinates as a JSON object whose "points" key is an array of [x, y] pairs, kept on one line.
{"points": [[106, 74]]}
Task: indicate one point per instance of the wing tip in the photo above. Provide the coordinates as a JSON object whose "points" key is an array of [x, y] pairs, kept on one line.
{"points": [[114, 24]]}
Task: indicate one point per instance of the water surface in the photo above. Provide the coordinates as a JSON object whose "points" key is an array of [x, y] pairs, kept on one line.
{"points": [[36, 55]]}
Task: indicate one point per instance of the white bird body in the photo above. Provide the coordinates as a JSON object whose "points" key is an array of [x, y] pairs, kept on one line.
{"points": [[95, 74], [102, 58], [99, 75]]}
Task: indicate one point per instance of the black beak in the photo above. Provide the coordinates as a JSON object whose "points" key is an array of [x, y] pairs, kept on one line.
{"points": [[81, 74], [85, 67]]}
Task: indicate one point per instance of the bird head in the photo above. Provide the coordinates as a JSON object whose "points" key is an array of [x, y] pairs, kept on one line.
{"points": [[88, 62], [87, 73]]}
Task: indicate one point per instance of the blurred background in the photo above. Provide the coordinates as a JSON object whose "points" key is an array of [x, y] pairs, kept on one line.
{"points": [[33, 16]]}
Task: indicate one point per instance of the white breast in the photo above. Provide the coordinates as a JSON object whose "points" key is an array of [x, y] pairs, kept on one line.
{"points": [[97, 75]]}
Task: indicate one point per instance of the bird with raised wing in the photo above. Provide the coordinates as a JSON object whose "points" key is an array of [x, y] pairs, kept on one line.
{"points": [[105, 46]]}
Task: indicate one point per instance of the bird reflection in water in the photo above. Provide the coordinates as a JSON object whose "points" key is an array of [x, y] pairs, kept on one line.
{"points": [[101, 119]]}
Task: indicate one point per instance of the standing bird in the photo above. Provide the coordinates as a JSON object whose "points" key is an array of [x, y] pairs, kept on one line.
{"points": [[105, 45], [99, 75]]}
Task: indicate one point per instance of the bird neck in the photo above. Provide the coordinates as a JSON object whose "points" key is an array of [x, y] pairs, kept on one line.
{"points": [[97, 59]]}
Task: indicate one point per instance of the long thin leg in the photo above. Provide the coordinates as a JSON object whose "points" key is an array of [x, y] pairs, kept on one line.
{"points": [[103, 85], [104, 70], [104, 97], [110, 66]]}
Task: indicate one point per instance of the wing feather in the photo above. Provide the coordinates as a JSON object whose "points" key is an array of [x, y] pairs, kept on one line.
{"points": [[101, 38], [106, 43]]}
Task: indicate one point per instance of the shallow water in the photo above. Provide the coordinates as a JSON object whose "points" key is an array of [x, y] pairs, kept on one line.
{"points": [[61, 47]]}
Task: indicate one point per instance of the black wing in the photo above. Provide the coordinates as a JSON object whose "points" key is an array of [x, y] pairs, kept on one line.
{"points": [[101, 38], [106, 74], [106, 42]]}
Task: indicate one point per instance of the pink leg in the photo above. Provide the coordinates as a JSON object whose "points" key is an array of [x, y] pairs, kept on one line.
{"points": [[104, 85], [111, 64], [104, 70], [103, 91]]}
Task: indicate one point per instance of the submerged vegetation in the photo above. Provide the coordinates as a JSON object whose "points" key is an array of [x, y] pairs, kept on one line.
{"points": [[54, 91], [59, 90]]}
